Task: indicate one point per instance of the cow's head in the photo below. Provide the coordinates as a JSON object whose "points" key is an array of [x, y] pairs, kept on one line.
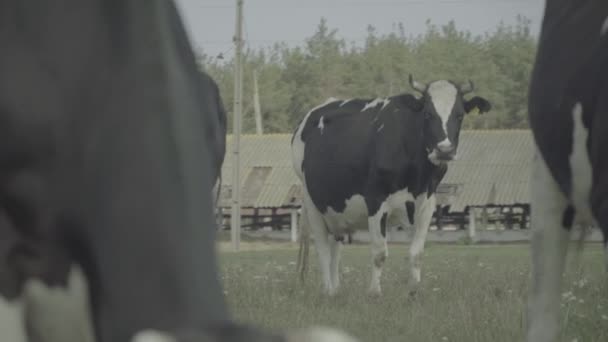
{"points": [[444, 107]]}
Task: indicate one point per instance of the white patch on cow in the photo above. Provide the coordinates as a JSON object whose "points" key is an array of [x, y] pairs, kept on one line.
{"points": [[604, 28], [345, 102], [433, 158], [59, 314], [385, 103], [443, 96], [397, 199], [353, 216], [152, 336], [549, 246], [372, 104], [297, 147], [580, 166], [321, 124], [380, 128], [319, 334], [12, 323]]}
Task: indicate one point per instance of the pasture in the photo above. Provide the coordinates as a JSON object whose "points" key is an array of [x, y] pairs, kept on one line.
{"points": [[468, 293]]}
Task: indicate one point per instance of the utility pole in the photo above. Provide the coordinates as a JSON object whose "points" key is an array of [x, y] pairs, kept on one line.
{"points": [[235, 228], [256, 105]]}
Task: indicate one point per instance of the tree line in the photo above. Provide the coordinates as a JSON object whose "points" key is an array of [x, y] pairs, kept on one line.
{"points": [[292, 80]]}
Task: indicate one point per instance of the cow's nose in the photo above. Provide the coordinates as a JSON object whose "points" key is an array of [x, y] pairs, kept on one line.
{"points": [[445, 146]]}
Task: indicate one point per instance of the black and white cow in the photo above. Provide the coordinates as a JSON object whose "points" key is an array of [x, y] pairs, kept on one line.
{"points": [[106, 170], [568, 112], [361, 161], [217, 136]]}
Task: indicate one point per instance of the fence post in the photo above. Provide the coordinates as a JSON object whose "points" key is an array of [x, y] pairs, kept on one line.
{"points": [[472, 219], [294, 225]]}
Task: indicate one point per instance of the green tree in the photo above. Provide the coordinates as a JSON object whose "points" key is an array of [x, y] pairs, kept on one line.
{"points": [[292, 80]]}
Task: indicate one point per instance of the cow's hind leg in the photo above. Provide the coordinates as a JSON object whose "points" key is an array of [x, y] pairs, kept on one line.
{"points": [[379, 249], [335, 247], [551, 219], [322, 244], [422, 219], [59, 313], [12, 323]]}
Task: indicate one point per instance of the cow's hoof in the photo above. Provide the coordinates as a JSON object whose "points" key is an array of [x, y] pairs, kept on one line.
{"points": [[330, 292], [412, 294], [374, 292]]}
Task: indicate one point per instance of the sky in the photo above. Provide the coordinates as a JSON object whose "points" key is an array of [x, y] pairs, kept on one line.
{"points": [[211, 23]]}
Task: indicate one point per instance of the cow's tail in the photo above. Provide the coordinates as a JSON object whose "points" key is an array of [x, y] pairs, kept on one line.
{"points": [[219, 191], [302, 264], [218, 213]]}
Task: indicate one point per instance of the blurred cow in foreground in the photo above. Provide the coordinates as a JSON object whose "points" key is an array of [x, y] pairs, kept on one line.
{"points": [[108, 154], [568, 105]]}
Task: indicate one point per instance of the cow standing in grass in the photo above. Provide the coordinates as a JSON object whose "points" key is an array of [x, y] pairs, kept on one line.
{"points": [[568, 111], [362, 160]]}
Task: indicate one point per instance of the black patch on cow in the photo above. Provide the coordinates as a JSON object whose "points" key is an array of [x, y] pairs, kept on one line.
{"points": [[383, 224], [216, 127], [480, 103], [568, 217], [410, 209], [115, 12], [339, 238], [411, 101], [437, 174]]}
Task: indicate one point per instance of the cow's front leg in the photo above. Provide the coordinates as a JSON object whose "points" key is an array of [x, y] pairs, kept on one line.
{"points": [[551, 219], [377, 232], [422, 220]]}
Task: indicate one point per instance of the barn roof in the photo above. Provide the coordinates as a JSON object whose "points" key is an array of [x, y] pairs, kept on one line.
{"points": [[493, 167]]}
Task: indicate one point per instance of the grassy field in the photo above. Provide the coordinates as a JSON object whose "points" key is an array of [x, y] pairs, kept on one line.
{"points": [[468, 293]]}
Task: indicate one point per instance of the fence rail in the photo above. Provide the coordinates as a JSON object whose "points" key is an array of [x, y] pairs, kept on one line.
{"points": [[499, 217]]}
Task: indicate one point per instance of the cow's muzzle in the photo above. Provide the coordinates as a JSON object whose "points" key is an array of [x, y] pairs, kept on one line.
{"points": [[436, 156], [445, 156], [445, 150]]}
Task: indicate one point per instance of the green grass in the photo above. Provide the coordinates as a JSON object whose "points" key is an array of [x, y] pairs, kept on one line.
{"points": [[468, 293]]}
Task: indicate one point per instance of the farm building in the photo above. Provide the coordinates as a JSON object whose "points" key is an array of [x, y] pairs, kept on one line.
{"points": [[489, 180]]}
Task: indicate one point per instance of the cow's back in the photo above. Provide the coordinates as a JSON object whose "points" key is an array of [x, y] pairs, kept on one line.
{"points": [[332, 150]]}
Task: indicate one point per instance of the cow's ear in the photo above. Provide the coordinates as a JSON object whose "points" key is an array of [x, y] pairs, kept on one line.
{"points": [[477, 105], [412, 102]]}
